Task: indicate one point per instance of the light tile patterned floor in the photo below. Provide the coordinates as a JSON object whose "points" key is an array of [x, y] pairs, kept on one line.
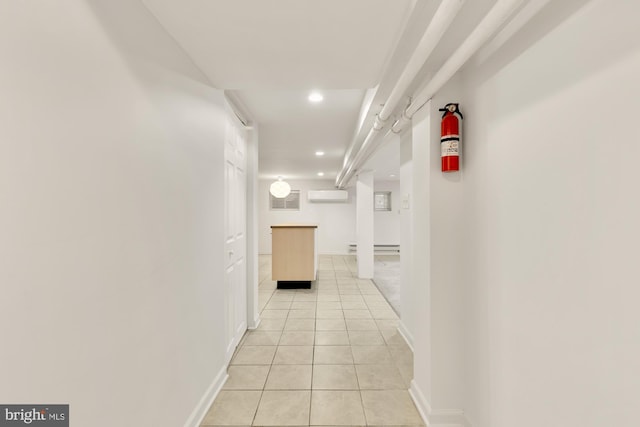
{"points": [[328, 356]]}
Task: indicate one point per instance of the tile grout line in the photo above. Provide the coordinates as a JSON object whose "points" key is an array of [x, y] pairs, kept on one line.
{"points": [[255, 414], [313, 355], [364, 414], [265, 380]]}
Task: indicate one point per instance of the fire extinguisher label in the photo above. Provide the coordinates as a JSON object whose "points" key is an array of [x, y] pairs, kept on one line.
{"points": [[449, 147]]}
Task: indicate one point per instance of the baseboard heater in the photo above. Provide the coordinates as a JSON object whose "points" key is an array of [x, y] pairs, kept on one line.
{"points": [[392, 248]]}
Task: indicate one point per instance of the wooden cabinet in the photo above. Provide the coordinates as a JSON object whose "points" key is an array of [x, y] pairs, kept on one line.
{"points": [[294, 254]]}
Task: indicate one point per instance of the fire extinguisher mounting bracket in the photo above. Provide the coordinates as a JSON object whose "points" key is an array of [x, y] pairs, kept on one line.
{"points": [[451, 108]]}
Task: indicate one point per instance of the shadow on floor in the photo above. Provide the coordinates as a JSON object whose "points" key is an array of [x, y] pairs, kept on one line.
{"points": [[386, 276]]}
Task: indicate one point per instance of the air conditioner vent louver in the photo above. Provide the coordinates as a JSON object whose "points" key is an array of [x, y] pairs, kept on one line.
{"points": [[328, 195]]}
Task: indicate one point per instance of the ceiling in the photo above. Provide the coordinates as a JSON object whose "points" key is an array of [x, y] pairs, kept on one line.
{"points": [[271, 54], [292, 129], [286, 44], [385, 163]]}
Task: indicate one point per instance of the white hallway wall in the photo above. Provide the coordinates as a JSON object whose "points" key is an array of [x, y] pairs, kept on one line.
{"points": [[407, 284], [531, 298], [111, 176], [387, 223]]}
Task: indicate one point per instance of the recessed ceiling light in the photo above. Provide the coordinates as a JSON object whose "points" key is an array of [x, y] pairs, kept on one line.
{"points": [[319, 153], [316, 97], [392, 176], [320, 173]]}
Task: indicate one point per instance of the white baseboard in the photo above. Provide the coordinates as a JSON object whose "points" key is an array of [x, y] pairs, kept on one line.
{"points": [[207, 399], [421, 402], [437, 418], [406, 335], [254, 325], [337, 253]]}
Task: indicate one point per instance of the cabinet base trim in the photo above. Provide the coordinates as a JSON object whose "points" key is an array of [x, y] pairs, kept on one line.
{"points": [[291, 284]]}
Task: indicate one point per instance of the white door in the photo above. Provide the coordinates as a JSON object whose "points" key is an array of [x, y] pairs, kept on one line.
{"points": [[235, 232]]}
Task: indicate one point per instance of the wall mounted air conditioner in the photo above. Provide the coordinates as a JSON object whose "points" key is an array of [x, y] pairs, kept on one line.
{"points": [[328, 195]]}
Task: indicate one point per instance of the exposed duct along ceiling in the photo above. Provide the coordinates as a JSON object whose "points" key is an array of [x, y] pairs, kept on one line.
{"points": [[268, 57], [394, 115]]}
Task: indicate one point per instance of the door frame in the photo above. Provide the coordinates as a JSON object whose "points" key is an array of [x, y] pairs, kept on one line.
{"points": [[242, 118]]}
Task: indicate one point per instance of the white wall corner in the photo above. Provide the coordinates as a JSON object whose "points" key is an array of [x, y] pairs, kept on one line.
{"points": [[408, 337], [253, 230], [207, 399], [420, 401], [365, 225], [254, 324], [436, 418]]}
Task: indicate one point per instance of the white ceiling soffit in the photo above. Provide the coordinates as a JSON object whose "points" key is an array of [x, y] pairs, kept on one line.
{"points": [[292, 129], [286, 44], [385, 163]]}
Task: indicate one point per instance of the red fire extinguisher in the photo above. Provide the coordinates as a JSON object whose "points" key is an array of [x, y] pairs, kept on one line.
{"points": [[450, 138]]}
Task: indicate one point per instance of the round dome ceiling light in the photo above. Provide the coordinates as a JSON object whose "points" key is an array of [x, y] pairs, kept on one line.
{"points": [[280, 189]]}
